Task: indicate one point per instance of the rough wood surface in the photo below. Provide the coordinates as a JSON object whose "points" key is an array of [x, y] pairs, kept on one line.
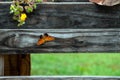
{"points": [[17, 64], [1, 65], [59, 78], [64, 15], [66, 40]]}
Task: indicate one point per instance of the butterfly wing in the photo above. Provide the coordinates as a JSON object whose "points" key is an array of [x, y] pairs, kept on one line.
{"points": [[48, 38], [40, 42], [45, 38]]}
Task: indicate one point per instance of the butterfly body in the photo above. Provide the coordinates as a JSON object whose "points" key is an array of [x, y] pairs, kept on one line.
{"points": [[45, 38]]}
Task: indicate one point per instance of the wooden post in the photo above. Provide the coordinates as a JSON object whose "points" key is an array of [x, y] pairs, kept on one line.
{"points": [[17, 64], [1, 65]]}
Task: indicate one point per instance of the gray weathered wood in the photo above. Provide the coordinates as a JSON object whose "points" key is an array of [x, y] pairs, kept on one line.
{"points": [[66, 40], [64, 15], [1, 65], [60, 78]]}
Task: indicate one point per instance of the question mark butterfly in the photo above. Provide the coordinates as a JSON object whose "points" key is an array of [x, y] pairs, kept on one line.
{"points": [[45, 38]]}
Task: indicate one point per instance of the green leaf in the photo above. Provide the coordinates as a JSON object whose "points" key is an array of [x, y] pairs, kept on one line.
{"points": [[21, 23], [29, 9], [11, 11], [38, 1], [12, 8], [20, 8], [15, 18], [35, 6], [16, 13]]}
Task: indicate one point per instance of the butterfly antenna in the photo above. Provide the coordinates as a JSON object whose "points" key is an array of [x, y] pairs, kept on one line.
{"points": [[46, 34], [41, 36]]}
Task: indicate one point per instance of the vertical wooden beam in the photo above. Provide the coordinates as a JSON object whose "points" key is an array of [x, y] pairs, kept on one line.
{"points": [[17, 65], [1, 65], [25, 64]]}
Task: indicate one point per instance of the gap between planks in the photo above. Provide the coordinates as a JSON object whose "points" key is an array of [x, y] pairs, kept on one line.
{"points": [[1, 65]]}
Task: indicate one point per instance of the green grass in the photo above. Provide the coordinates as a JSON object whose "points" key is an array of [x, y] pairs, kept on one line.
{"points": [[76, 64]]}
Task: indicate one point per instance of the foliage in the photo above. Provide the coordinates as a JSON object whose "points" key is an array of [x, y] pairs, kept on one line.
{"points": [[76, 64], [20, 9]]}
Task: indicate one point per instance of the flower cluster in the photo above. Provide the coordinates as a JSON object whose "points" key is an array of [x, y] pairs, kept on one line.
{"points": [[20, 8]]}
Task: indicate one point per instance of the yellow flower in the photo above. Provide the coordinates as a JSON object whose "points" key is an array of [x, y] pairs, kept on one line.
{"points": [[23, 17]]}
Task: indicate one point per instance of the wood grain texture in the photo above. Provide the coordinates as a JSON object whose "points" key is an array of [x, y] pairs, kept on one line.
{"points": [[64, 15], [1, 65], [59, 78], [17, 64], [66, 40]]}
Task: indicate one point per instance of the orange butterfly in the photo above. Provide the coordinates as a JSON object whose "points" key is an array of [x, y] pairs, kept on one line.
{"points": [[45, 38]]}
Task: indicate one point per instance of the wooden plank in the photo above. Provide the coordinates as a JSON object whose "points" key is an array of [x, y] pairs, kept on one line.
{"points": [[64, 15], [17, 64], [60, 78], [66, 40], [1, 65]]}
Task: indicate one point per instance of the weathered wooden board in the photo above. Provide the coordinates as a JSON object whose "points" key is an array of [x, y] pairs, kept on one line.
{"points": [[64, 15], [1, 65], [66, 40], [59, 78]]}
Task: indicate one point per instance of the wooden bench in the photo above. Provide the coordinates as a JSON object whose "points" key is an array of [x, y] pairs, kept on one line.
{"points": [[76, 26]]}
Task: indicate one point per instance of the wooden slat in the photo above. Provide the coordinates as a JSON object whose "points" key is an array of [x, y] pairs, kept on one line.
{"points": [[59, 78], [66, 40], [64, 15], [1, 65]]}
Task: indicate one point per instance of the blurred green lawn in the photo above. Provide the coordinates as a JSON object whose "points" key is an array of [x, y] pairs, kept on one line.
{"points": [[76, 64]]}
